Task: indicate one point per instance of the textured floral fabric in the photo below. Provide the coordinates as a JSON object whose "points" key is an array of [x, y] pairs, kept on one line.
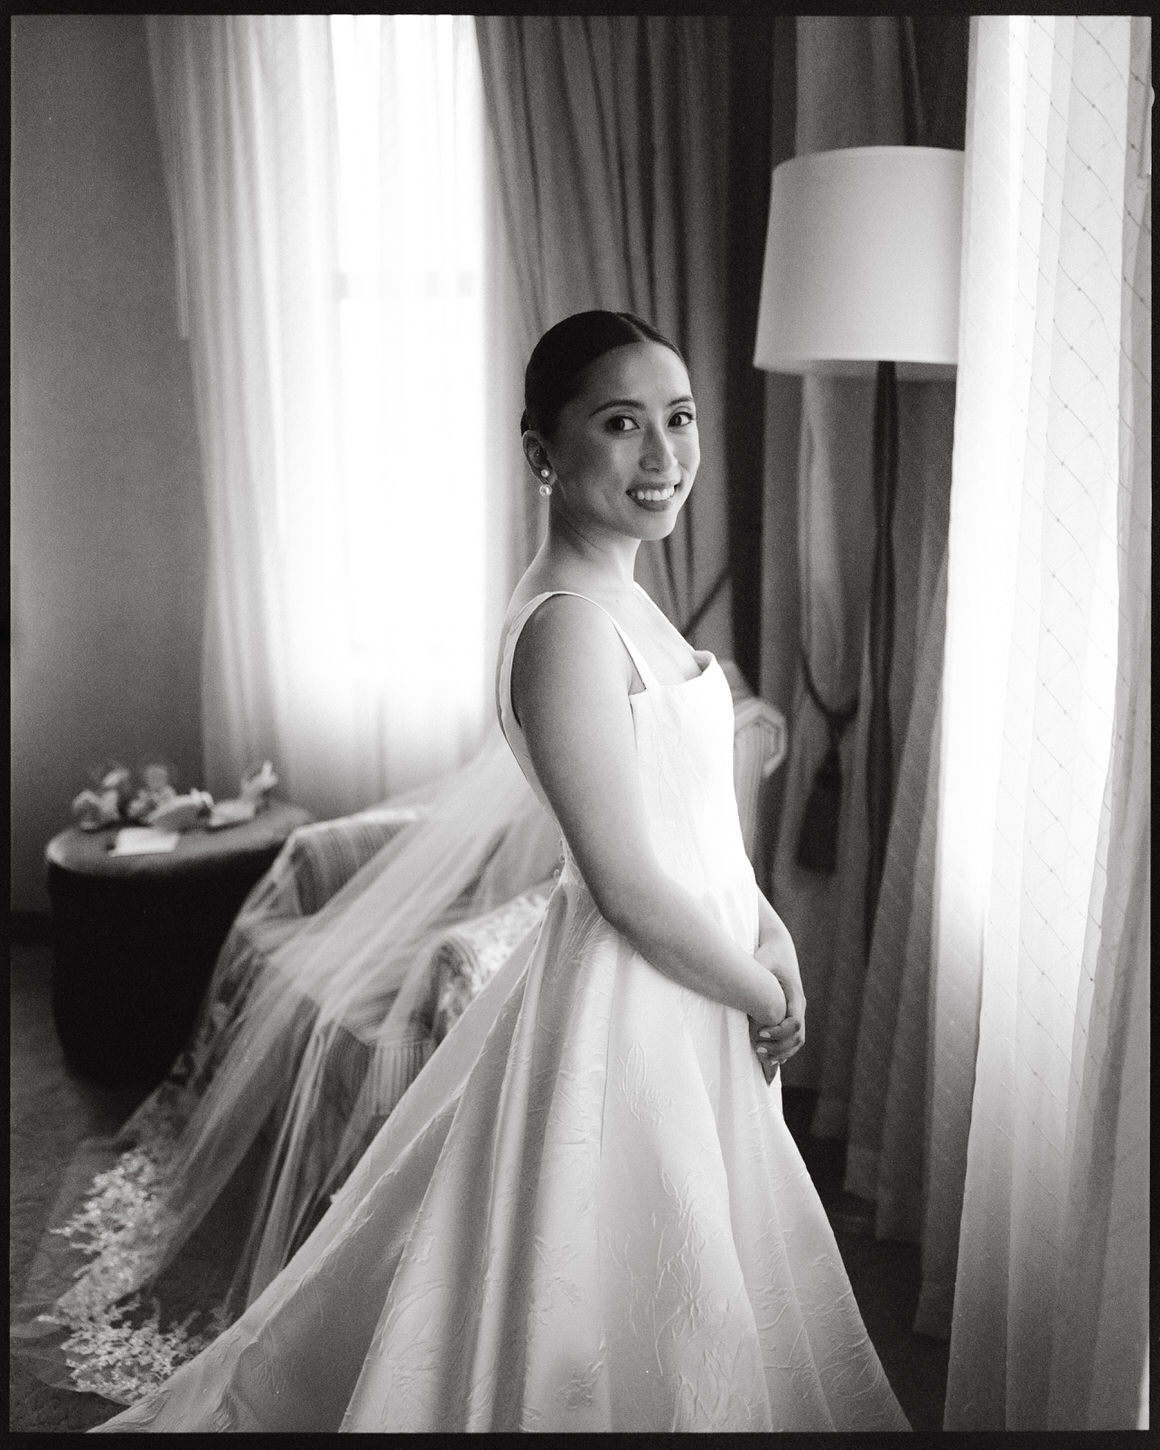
{"points": [[326, 854], [471, 954], [587, 1212]]}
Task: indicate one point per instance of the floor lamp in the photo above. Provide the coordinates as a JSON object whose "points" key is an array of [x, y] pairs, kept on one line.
{"points": [[861, 278]]}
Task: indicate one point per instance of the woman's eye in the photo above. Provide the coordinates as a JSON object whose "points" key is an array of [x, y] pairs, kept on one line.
{"points": [[622, 423], [683, 418]]}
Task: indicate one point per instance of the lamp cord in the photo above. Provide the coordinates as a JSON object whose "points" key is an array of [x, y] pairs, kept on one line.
{"points": [[701, 609]]}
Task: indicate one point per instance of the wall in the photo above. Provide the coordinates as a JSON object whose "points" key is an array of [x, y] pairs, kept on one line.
{"points": [[108, 527]]}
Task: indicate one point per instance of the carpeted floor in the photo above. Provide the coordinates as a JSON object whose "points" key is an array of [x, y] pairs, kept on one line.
{"points": [[52, 1111]]}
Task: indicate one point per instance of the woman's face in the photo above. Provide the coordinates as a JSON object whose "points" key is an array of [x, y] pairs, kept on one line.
{"points": [[625, 451]]}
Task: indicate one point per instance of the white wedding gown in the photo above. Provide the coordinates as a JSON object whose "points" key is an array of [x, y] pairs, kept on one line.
{"points": [[586, 1213]]}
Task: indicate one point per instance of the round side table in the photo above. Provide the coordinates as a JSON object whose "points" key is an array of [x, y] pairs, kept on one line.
{"points": [[135, 938]]}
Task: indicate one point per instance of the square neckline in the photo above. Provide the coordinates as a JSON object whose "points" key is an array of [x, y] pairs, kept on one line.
{"points": [[651, 687], [705, 658]]}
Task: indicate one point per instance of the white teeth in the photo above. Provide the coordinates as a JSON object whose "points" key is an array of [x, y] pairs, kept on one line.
{"points": [[654, 495]]}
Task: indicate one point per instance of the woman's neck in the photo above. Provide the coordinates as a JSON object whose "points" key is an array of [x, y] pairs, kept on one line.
{"points": [[610, 561]]}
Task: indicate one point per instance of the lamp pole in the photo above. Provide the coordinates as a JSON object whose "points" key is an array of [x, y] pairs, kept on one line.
{"points": [[862, 272], [880, 757]]}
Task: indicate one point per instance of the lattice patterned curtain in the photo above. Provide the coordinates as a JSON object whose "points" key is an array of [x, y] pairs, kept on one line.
{"points": [[1042, 910]]}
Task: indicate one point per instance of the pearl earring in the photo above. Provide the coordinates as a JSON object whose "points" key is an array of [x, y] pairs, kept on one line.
{"points": [[545, 488]]}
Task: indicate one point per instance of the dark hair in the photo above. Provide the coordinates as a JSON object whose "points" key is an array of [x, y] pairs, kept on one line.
{"points": [[552, 377]]}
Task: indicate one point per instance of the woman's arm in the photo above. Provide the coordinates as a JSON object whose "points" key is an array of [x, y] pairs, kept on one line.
{"points": [[775, 945], [776, 952], [570, 683]]}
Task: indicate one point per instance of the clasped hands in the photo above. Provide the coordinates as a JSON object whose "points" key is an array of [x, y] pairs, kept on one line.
{"points": [[778, 1040]]}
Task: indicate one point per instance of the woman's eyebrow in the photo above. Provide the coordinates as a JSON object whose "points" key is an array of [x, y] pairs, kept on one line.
{"points": [[635, 403]]}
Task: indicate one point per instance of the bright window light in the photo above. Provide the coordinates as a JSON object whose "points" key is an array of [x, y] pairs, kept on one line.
{"points": [[410, 219]]}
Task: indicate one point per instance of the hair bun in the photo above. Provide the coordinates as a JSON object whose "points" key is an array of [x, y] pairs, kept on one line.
{"points": [[552, 377]]}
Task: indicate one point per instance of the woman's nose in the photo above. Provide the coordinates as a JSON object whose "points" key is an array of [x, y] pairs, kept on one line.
{"points": [[658, 451]]}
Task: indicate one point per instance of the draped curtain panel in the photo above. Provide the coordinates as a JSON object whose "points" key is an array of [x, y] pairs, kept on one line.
{"points": [[773, 521], [887, 1079], [612, 134], [1042, 909], [215, 107], [327, 182], [859, 82]]}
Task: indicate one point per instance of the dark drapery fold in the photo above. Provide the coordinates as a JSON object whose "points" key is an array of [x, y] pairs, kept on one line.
{"points": [[751, 146], [861, 81], [614, 136]]}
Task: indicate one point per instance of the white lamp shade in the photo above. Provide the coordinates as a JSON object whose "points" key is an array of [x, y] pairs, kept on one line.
{"points": [[862, 262]]}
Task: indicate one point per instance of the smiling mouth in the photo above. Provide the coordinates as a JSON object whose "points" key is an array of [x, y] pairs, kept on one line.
{"points": [[653, 495]]}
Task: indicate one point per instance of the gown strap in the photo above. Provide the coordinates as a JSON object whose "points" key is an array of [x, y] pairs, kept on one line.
{"points": [[648, 679]]}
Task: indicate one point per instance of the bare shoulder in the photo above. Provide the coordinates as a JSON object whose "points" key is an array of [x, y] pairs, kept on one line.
{"points": [[570, 692], [568, 653]]}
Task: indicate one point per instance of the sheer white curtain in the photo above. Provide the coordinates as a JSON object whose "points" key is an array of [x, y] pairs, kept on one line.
{"points": [[330, 209], [1041, 892]]}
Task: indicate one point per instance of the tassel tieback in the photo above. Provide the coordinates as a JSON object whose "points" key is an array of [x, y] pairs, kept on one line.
{"points": [[817, 847]]}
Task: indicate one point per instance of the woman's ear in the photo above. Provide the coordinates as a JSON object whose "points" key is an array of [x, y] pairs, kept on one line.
{"points": [[536, 454]]}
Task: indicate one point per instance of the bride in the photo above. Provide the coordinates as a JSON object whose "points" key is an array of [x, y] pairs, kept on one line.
{"points": [[586, 1213]]}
